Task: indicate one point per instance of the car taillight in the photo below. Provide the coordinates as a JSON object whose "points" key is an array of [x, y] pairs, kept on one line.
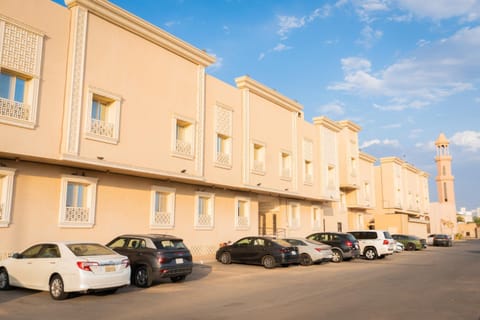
{"points": [[161, 259], [386, 241], [85, 265], [318, 249], [349, 243]]}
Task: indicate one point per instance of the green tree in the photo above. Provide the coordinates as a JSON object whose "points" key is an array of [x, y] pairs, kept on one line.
{"points": [[460, 219], [477, 221]]}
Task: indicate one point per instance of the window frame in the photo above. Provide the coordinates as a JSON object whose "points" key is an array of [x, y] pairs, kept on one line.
{"points": [[255, 163], [316, 226], [90, 204], [211, 211], [190, 137], [294, 221], [170, 202], [285, 166], [238, 224], [113, 103], [7, 180]]}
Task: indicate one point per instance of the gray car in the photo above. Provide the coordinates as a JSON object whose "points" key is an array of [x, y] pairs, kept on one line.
{"points": [[154, 256]]}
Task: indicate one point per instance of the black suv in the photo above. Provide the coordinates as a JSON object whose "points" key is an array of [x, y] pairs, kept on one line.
{"points": [[344, 245], [154, 256]]}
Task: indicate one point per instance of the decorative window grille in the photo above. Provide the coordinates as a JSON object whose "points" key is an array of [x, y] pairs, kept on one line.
{"points": [[308, 172], [77, 201], [204, 210], [183, 138], [6, 191], [258, 158], [162, 208], [317, 218], [223, 129], [103, 118], [285, 165], [242, 213], [20, 60], [294, 216]]}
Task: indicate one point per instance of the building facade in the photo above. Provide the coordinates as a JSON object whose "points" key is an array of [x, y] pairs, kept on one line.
{"points": [[111, 125]]}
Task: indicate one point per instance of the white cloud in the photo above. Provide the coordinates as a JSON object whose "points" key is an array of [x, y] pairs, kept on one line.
{"points": [[392, 126], [171, 23], [443, 9], [218, 62], [281, 47], [261, 56], [288, 23], [470, 140], [334, 107], [368, 36], [433, 72], [386, 142]]}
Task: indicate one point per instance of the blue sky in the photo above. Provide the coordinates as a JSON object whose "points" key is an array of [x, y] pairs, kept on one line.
{"points": [[404, 70]]}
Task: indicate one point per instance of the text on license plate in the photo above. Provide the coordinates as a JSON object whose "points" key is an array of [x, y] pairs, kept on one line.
{"points": [[179, 260], [109, 268]]}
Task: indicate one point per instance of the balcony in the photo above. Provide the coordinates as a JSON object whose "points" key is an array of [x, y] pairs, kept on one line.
{"points": [[14, 110], [102, 128]]}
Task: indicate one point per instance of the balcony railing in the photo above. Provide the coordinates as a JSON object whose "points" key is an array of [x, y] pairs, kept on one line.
{"points": [[77, 214], [258, 165], [183, 147], [102, 128], [243, 221], [162, 218], [204, 220], [14, 110], [223, 158]]}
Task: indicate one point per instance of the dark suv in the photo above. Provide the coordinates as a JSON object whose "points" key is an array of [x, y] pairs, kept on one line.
{"points": [[344, 245], [154, 256]]}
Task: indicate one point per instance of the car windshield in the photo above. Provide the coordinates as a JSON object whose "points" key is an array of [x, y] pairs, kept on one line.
{"points": [[169, 244], [89, 249]]}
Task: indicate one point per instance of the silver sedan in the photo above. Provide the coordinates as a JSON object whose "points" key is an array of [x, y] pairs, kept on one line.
{"points": [[311, 251]]}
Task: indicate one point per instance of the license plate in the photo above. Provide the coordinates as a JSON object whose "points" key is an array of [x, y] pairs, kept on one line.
{"points": [[179, 260], [109, 268], [294, 253]]}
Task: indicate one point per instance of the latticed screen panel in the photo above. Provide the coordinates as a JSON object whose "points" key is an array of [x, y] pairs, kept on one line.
{"points": [[204, 220], [77, 214], [163, 219], [13, 109], [223, 123], [243, 221], [20, 49], [102, 128], [183, 147]]}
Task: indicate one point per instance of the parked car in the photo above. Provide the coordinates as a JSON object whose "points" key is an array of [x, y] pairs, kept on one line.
{"points": [[64, 267], [344, 245], [410, 242], [154, 256], [429, 239], [374, 243], [311, 251], [399, 247], [265, 251], [442, 240]]}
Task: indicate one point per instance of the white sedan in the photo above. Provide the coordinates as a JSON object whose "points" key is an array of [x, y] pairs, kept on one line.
{"points": [[64, 267], [311, 251]]}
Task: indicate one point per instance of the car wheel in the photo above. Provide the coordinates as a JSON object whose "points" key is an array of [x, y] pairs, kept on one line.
{"points": [[226, 258], [370, 254], [411, 246], [305, 259], [178, 278], [268, 262], [57, 289], [4, 281], [337, 255], [143, 276]]}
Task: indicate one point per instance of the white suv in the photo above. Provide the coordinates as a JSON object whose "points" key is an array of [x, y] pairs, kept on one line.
{"points": [[374, 243]]}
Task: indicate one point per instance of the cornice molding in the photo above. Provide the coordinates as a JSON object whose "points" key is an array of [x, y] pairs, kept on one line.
{"points": [[124, 19], [327, 123], [245, 82]]}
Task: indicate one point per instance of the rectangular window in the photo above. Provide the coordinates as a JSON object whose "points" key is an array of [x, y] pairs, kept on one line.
{"points": [[77, 201], [204, 210], [13, 95], [285, 165], [162, 214], [103, 121], [6, 191], [258, 158], [183, 138], [242, 213], [294, 216], [308, 172], [317, 218], [331, 177], [223, 150]]}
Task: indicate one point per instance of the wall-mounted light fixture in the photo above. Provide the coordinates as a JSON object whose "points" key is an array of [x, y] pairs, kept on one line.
{"points": [[259, 184], [100, 158], [183, 170]]}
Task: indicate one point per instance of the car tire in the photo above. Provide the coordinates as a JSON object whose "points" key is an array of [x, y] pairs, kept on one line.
{"points": [[411, 246], [178, 278], [142, 276], [370, 254], [226, 258], [337, 256], [57, 288], [268, 262], [4, 280], [305, 259]]}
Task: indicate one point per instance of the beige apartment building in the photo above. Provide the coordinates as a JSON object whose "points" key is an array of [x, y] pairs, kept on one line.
{"points": [[110, 125]]}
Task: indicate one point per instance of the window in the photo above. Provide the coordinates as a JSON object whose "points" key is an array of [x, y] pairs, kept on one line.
{"points": [[317, 218], [77, 206], [308, 172], [204, 210], [285, 165], [184, 138], [258, 158], [20, 58], [103, 118], [294, 215], [223, 150], [162, 213], [331, 177], [242, 213], [6, 191], [339, 226]]}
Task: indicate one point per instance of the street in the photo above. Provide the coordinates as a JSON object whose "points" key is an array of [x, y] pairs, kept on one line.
{"points": [[436, 283]]}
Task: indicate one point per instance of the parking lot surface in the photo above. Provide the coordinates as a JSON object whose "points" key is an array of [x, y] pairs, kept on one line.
{"points": [[436, 283]]}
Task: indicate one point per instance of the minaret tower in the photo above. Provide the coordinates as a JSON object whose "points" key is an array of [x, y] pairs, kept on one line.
{"points": [[444, 179]]}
